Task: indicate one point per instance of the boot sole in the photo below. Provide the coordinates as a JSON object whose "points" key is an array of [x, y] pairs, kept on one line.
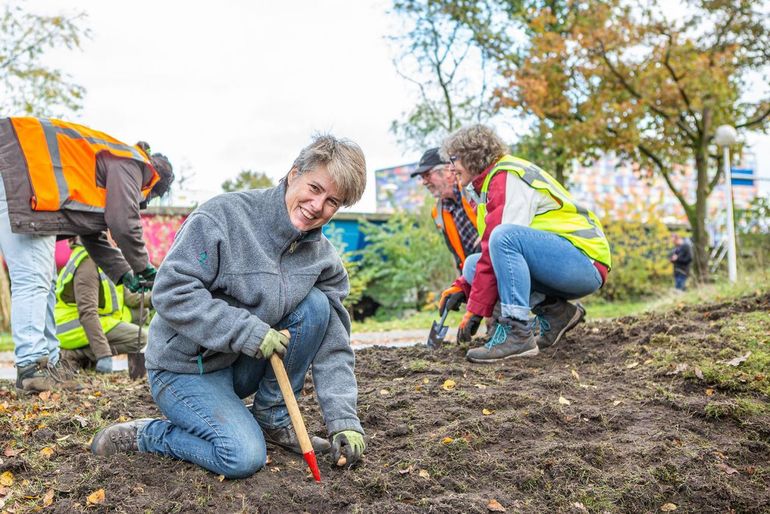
{"points": [[579, 317], [529, 353]]}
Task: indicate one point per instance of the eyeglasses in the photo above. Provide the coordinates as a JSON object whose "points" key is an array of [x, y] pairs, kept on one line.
{"points": [[453, 158]]}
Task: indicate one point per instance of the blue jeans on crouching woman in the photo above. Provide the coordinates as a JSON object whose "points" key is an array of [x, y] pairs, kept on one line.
{"points": [[530, 264], [208, 423]]}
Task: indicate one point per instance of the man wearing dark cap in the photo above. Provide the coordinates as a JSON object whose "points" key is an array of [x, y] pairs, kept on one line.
{"points": [[60, 178], [454, 214]]}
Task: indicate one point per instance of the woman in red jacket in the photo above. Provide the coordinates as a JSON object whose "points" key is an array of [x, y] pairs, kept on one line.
{"points": [[539, 248]]}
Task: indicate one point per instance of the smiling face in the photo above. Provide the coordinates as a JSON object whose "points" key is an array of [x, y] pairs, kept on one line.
{"points": [[311, 198], [440, 181], [464, 176]]}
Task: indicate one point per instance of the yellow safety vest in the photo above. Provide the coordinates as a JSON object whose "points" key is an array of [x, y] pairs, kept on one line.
{"points": [[571, 221], [69, 331]]}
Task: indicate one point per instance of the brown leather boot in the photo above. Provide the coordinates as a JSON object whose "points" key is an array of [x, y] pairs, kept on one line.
{"points": [[41, 376]]}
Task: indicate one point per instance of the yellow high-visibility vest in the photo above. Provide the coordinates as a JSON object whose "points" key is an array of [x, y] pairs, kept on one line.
{"points": [[571, 221]]}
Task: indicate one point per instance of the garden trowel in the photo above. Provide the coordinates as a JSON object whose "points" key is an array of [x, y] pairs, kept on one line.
{"points": [[438, 332]]}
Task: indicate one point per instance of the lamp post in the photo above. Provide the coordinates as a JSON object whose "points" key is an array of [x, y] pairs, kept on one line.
{"points": [[725, 137]]}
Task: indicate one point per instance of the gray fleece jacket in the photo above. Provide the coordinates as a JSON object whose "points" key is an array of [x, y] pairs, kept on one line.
{"points": [[237, 267]]}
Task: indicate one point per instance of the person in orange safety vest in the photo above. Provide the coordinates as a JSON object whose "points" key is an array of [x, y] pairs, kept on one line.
{"points": [[64, 179]]}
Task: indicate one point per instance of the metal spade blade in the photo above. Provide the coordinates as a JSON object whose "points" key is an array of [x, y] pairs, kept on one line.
{"points": [[438, 332]]}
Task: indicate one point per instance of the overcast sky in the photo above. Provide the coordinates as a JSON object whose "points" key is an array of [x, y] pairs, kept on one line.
{"points": [[242, 84]]}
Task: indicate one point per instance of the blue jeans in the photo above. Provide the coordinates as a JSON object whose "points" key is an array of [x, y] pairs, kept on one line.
{"points": [[208, 423], [680, 280], [530, 264], [32, 269]]}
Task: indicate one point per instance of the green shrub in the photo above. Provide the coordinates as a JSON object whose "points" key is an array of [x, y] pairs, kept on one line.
{"points": [[640, 249]]}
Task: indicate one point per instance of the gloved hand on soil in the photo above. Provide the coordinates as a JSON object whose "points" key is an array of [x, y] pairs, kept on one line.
{"points": [[273, 341], [349, 444], [451, 299], [468, 327]]}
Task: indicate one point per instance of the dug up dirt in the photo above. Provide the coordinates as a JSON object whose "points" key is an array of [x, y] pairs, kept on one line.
{"points": [[659, 413]]}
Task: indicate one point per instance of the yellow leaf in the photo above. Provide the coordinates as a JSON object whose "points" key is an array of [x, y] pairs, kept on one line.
{"points": [[221, 478], [96, 498], [668, 507], [447, 440], [564, 401], [384, 392], [709, 392], [480, 386], [424, 473], [48, 498], [487, 412], [449, 384], [616, 403], [45, 395], [47, 452], [632, 365], [6, 479], [97, 393], [425, 380], [494, 506], [575, 374]]}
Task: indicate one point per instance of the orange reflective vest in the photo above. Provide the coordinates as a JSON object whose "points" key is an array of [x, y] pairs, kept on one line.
{"points": [[446, 224], [61, 160]]}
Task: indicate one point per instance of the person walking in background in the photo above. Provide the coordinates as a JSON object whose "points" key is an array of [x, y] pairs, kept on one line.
{"points": [[245, 268], [61, 178], [681, 258], [92, 321], [539, 248]]}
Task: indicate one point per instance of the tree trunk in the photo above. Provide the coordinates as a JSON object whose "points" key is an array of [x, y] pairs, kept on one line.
{"points": [[5, 299], [700, 236], [559, 173]]}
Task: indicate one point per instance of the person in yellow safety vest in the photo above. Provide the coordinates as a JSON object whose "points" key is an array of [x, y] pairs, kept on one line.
{"points": [[454, 214], [539, 249], [92, 321], [64, 179]]}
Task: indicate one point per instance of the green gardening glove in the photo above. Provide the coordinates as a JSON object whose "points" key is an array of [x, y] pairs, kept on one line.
{"points": [[273, 341], [148, 275], [349, 444]]}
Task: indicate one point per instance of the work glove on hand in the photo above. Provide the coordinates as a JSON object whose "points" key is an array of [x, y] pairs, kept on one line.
{"points": [[273, 341], [148, 275], [133, 283], [349, 444], [451, 299], [468, 327]]}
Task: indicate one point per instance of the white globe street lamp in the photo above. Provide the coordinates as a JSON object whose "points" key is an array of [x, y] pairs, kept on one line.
{"points": [[725, 137]]}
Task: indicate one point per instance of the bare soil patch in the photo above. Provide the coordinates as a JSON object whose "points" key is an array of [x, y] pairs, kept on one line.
{"points": [[621, 417]]}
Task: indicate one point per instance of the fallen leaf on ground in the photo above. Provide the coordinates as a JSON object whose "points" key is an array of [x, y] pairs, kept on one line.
{"points": [[45, 395], [487, 412], [738, 360], [425, 380], [221, 478], [682, 366], [12, 452], [617, 402], [575, 374], [564, 401], [384, 392], [424, 473], [668, 507], [449, 384], [480, 386], [709, 392], [494, 506], [48, 498], [632, 365], [6, 479], [580, 507], [47, 452], [698, 373], [3, 491], [406, 470], [447, 440], [96, 498]]}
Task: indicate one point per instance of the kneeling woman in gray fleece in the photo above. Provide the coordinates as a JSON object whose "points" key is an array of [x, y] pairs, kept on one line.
{"points": [[243, 267]]}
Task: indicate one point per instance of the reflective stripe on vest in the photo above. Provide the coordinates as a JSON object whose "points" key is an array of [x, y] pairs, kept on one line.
{"points": [[61, 162], [69, 330], [572, 221]]}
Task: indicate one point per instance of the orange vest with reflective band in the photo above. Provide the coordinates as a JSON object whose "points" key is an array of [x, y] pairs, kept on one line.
{"points": [[447, 225], [61, 161]]}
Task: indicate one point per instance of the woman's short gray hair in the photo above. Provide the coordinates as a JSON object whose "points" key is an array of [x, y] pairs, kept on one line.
{"points": [[343, 159], [477, 146]]}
